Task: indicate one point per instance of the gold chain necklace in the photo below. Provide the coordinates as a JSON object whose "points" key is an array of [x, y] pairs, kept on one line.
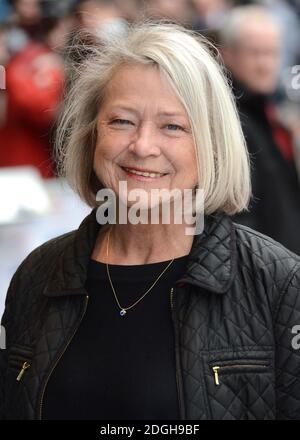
{"points": [[123, 310]]}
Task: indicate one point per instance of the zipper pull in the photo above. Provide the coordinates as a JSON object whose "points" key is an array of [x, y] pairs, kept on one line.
{"points": [[216, 374], [25, 366]]}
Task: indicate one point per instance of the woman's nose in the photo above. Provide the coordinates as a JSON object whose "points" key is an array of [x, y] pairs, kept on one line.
{"points": [[145, 142]]}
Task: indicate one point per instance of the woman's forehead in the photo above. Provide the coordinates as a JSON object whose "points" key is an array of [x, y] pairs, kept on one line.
{"points": [[131, 84]]}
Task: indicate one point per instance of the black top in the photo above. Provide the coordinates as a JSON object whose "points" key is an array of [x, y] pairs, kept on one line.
{"points": [[120, 367]]}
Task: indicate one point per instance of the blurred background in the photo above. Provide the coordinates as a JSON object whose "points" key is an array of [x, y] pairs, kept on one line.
{"points": [[259, 42]]}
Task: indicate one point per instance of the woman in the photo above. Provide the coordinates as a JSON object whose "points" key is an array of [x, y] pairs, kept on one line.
{"points": [[133, 320]]}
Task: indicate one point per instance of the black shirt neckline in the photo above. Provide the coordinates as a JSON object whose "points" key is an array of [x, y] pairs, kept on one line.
{"points": [[136, 272]]}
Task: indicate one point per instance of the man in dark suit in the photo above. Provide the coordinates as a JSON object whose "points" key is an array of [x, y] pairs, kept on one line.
{"points": [[251, 45]]}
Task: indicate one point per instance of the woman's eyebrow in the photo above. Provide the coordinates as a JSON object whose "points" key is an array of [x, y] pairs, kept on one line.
{"points": [[123, 107], [172, 113], [161, 113]]}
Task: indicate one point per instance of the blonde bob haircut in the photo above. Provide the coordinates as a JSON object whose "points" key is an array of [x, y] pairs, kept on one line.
{"points": [[196, 73]]}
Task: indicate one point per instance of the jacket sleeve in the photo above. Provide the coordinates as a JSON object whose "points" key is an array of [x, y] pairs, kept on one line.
{"points": [[8, 325], [287, 355], [3, 364]]}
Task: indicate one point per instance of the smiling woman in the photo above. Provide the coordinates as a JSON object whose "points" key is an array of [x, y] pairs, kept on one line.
{"points": [[158, 87], [142, 321], [147, 142], [153, 108]]}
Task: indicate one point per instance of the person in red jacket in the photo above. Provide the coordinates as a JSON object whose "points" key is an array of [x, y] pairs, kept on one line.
{"points": [[34, 82]]}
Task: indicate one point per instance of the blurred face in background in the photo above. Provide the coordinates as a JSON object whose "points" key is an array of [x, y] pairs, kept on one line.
{"points": [[131, 9], [28, 11], [92, 12], [254, 57], [206, 7], [102, 19], [179, 10]]}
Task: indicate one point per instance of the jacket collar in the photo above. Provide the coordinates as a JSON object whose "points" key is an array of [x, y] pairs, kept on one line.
{"points": [[211, 263]]}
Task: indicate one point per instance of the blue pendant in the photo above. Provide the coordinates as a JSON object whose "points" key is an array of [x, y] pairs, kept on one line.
{"points": [[122, 312]]}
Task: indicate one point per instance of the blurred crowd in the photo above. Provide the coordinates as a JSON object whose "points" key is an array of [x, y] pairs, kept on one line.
{"points": [[259, 42]]}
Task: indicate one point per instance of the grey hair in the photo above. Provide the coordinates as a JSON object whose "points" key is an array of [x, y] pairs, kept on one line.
{"points": [[194, 69]]}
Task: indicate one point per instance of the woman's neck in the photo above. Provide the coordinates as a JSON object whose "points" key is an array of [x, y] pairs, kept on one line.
{"points": [[142, 243]]}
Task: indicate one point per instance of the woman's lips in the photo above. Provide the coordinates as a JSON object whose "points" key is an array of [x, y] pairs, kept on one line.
{"points": [[132, 173]]}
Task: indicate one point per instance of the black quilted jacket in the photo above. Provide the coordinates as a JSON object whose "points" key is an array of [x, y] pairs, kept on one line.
{"points": [[234, 314]]}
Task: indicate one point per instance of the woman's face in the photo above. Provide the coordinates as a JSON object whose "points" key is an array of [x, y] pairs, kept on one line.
{"points": [[143, 127]]}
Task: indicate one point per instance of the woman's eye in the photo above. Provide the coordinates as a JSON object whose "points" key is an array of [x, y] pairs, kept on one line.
{"points": [[174, 127], [121, 121]]}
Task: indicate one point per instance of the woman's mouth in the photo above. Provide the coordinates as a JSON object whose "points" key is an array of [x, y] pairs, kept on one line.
{"points": [[142, 174]]}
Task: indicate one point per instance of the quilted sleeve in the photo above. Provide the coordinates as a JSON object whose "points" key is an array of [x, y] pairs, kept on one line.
{"points": [[3, 362], [7, 323], [287, 356], [3, 354]]}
